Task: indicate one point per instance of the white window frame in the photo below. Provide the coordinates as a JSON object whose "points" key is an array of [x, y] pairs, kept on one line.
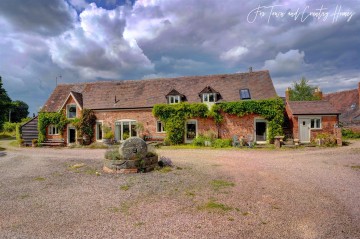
{"points": [[121, 122], [68, 112], [53, 130], [98, 122], [206, 97], [162, 127], [174, 99], [313, 123]]}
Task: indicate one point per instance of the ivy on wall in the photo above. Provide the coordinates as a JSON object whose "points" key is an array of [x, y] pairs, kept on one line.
{"points": [[174, 116], [47, 118], [271, 109]]}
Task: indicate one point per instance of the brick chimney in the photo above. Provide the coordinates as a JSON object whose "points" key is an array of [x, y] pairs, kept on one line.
{"points": [[318, 93], [287, 94]]}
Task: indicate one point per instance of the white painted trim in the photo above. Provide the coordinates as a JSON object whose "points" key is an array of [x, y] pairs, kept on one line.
{"points": [[70, 126], [96, 130], [67, 110], [162, 124], [67, 98], [197, 129], [259, 119], [121, 127]]}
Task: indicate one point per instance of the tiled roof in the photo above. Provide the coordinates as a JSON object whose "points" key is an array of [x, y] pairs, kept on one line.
{"points": [[317, 107], [78, 98], [347, 102], [147, 93]]}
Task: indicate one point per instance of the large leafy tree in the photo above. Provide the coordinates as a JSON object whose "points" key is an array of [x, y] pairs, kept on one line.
{"points": [[5, 104], [302, 91], [19, 110]]}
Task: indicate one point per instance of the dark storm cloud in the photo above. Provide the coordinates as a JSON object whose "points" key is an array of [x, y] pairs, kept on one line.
{"points": [[41, 16]]}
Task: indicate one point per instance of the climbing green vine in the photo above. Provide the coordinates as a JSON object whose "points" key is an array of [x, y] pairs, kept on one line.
{"points": [[47, 118], [175, 115], [271, 109]]}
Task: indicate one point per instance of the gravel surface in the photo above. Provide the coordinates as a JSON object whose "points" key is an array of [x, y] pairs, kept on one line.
{"points": [[246, 193]]}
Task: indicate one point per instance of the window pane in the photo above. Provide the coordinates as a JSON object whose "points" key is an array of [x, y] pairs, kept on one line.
{"points": [[72, 111], [318, 123], [99, 131], [312, 123], [133, 130], [206, 97], [245, 94], [211, 98], [176, 99]]}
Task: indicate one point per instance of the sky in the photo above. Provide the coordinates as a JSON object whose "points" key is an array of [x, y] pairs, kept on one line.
{"points": [[43, 42]]}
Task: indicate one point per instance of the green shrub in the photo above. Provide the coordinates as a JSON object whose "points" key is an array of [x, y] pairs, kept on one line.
{"points": [[113, 154], [9, 127], [349, 134], [326, 140], [222, 143], [199, 141]]}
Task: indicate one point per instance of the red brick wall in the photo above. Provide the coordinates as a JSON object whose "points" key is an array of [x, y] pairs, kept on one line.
{"points": [[141, 116], [231, 125], [327, 123], [64, 135]]}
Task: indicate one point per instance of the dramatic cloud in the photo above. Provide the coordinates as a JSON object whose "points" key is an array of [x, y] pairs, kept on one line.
{"points": [[84, 40], [97, 49], [287, 63]]}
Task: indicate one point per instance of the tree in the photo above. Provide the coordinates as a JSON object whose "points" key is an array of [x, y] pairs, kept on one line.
{"points": [[5, 103], [19, 110], [302, 91]]}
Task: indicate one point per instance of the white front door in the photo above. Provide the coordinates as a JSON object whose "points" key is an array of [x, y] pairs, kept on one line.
{"points": [[304, 130]]}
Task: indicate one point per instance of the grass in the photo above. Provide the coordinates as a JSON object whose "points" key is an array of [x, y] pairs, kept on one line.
{"points": [[114, 209], [2, 149], [124, 187], [6, 135], [190, 194], [356, 167], [76, 166], [14, 143], [212, 205], [166, 169], [39, 179], [221, 184]]}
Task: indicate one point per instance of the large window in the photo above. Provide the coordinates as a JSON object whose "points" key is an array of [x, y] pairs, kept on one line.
{"points": [[245, 94], [71, 111], [160, 127], [174, 99], [53, 130], [98, 130], [125, 129], [209, 97], [315, 123]]}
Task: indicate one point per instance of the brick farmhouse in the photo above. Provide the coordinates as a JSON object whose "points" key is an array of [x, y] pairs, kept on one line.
{"points": [[122, 104]]}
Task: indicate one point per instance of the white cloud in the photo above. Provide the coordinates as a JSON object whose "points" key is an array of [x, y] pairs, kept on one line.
{"points": [[234, 54], [95, 48], [79, 4], [290, 62]]}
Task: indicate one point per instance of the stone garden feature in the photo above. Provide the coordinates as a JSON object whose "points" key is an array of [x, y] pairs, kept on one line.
{"points": [[132, 157]]}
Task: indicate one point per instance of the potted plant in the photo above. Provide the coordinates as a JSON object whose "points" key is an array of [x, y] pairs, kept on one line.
{"points": [[108, 135]]}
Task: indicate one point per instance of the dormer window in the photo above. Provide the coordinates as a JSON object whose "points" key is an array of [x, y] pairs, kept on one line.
{"points": [[245, 94], [174, 99], [209, 97], [71, 111]]}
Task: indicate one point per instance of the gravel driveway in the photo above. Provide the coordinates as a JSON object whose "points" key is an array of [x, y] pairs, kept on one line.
{"points": [[246, 193]]}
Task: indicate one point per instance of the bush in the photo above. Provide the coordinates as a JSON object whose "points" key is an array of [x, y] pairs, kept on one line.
{"points": [[222, 143], [199, 141], [113, 154], [9, 127], [349, 134], [326, 140]]}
